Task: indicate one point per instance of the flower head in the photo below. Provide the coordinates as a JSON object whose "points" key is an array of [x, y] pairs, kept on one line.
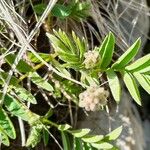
{"points": [[93, 98], [91, 58]]}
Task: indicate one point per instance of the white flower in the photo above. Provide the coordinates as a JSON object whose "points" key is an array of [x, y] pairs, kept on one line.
{"points": [[93, 98], [91, 58]]}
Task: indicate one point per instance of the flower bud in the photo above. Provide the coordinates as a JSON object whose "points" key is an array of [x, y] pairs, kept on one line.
{"points": [[91, 58]]}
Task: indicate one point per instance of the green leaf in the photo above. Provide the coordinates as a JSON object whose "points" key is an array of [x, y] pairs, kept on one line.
{"points": [[77, 66], [107, 53], [18, 109], [115, 148], [114, 84], [35, 78], [57, 43], [147, 77], [132, 87], [45, 137], [81, 44], [88, 79], [34, 59], [48, 58], [4, 138], [92, 138], [13, 81], [39, 8], [34, 136], [64, 127], [78, 145], [65, 141], [21, 92], [22, 66], [145, 70], [79, 10], [103, 45], [61, 69], [127, 56], [102, 145], [87, 146], [140, 64], [39, 81], [80, 133], [114, 134], [66, 57], [60, 11], [142, 81], [69, 49], [6, 124], [66, 40]]}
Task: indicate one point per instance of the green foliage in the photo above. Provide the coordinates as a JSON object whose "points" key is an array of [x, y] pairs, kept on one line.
{"points": [[19, 90], [143, 81], [18, 109], [23, 67], [74, 58], [39, 8], [140, 65], [61, 11], [83, 137], [6, 124], [4, 137], [35, 136], [70, 52], [127, 56], [65, 141], [74, 10], [114, 84], [132, 87], [106, 51], [45, 137], [80, 137], [79, 10], [39, 81], [114, 134], [73, 68]]}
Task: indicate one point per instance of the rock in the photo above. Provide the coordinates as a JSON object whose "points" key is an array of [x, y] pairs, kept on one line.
{"points": [[146, 127]]}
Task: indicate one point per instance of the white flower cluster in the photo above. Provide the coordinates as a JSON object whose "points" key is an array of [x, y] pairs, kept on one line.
{"points": [[93, 98], [91, 58]]}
